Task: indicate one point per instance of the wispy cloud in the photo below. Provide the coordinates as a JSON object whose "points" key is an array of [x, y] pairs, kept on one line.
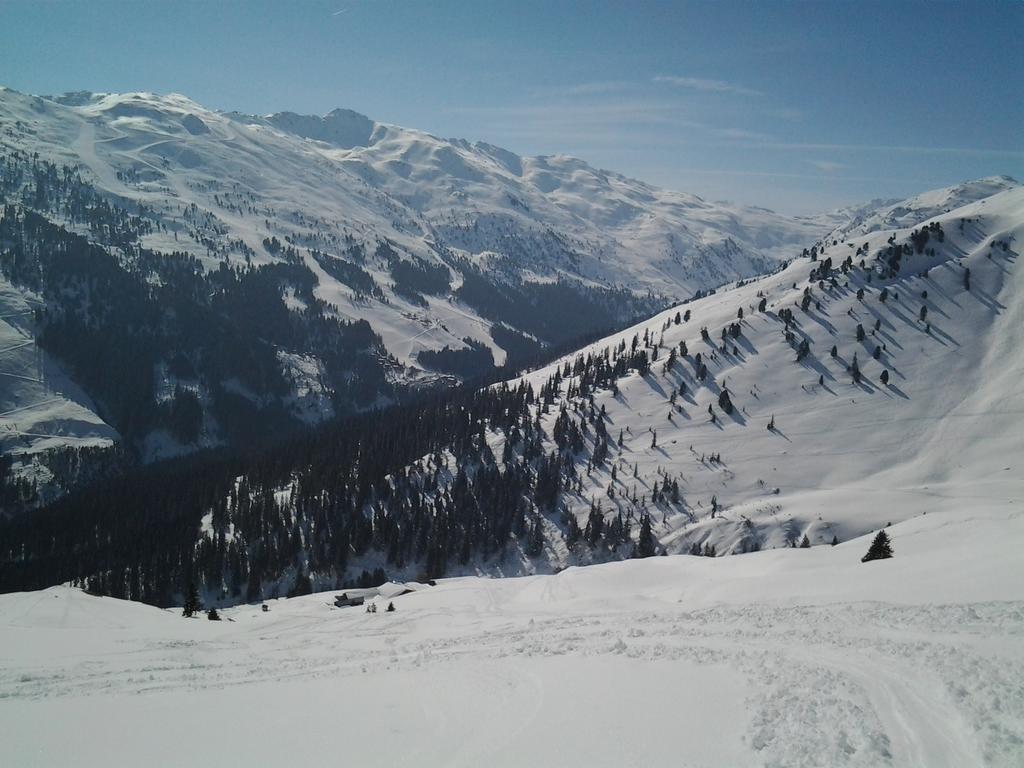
{"points": [[582, 89], [788, 114], [574, 125], [742, 134], [890, 148], [618, 113], [706, 84], [828, 166], [783, 175]]}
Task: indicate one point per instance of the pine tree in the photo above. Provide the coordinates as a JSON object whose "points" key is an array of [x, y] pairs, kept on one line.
{"points": [[302, 586], [535, 540], [646, 545], [805, 543], [391, 608], [835, 540], [724, 402], [880, 548], [192, 602]]}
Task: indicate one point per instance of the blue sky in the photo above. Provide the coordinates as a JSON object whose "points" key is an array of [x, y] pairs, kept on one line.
{"points": [[794, 106]]}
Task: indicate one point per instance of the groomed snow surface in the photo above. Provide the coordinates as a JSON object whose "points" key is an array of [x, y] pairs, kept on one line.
{"points": [[794, 657]]}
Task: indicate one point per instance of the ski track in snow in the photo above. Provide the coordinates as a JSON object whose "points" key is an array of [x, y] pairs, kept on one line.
{"points": [[860, 684]]}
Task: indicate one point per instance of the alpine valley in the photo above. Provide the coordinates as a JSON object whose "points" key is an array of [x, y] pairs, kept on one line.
{"points": [[248, 359], [176, 278]]}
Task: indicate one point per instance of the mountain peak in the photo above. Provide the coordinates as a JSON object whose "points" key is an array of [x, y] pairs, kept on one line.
{"points": [[342, 128]]}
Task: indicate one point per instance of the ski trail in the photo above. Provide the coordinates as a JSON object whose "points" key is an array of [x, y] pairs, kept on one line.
{"points": [[923, 728]]}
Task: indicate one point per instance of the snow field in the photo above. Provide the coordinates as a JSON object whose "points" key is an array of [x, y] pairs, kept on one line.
{"points": [[784, 658]]}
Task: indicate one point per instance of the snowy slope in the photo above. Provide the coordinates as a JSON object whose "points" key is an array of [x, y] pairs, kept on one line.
{"points": [[904, 214], [220, 184], [946, 432], [40, 407], [318, 179], [798, 658]]}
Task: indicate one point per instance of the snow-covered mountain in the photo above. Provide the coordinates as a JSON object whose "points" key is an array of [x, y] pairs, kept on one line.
{"points": [[929, 314], [856, 221], [441, 246], [313, 177], [872, 381], [413, 259]]}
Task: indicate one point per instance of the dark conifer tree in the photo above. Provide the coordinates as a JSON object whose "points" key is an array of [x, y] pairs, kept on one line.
{"points": [[646, 545], [302, 586], [192, 602], [724, 402], [880, 548]]}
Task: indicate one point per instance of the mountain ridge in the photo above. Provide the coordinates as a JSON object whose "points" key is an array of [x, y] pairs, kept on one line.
{"points": [[796, 409], [449, 251]]}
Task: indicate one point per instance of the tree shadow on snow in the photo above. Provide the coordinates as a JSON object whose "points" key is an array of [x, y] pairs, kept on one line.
{"points": [[938, 334], [988, 300], [737, 417], [897, 391], [820, 320]]}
